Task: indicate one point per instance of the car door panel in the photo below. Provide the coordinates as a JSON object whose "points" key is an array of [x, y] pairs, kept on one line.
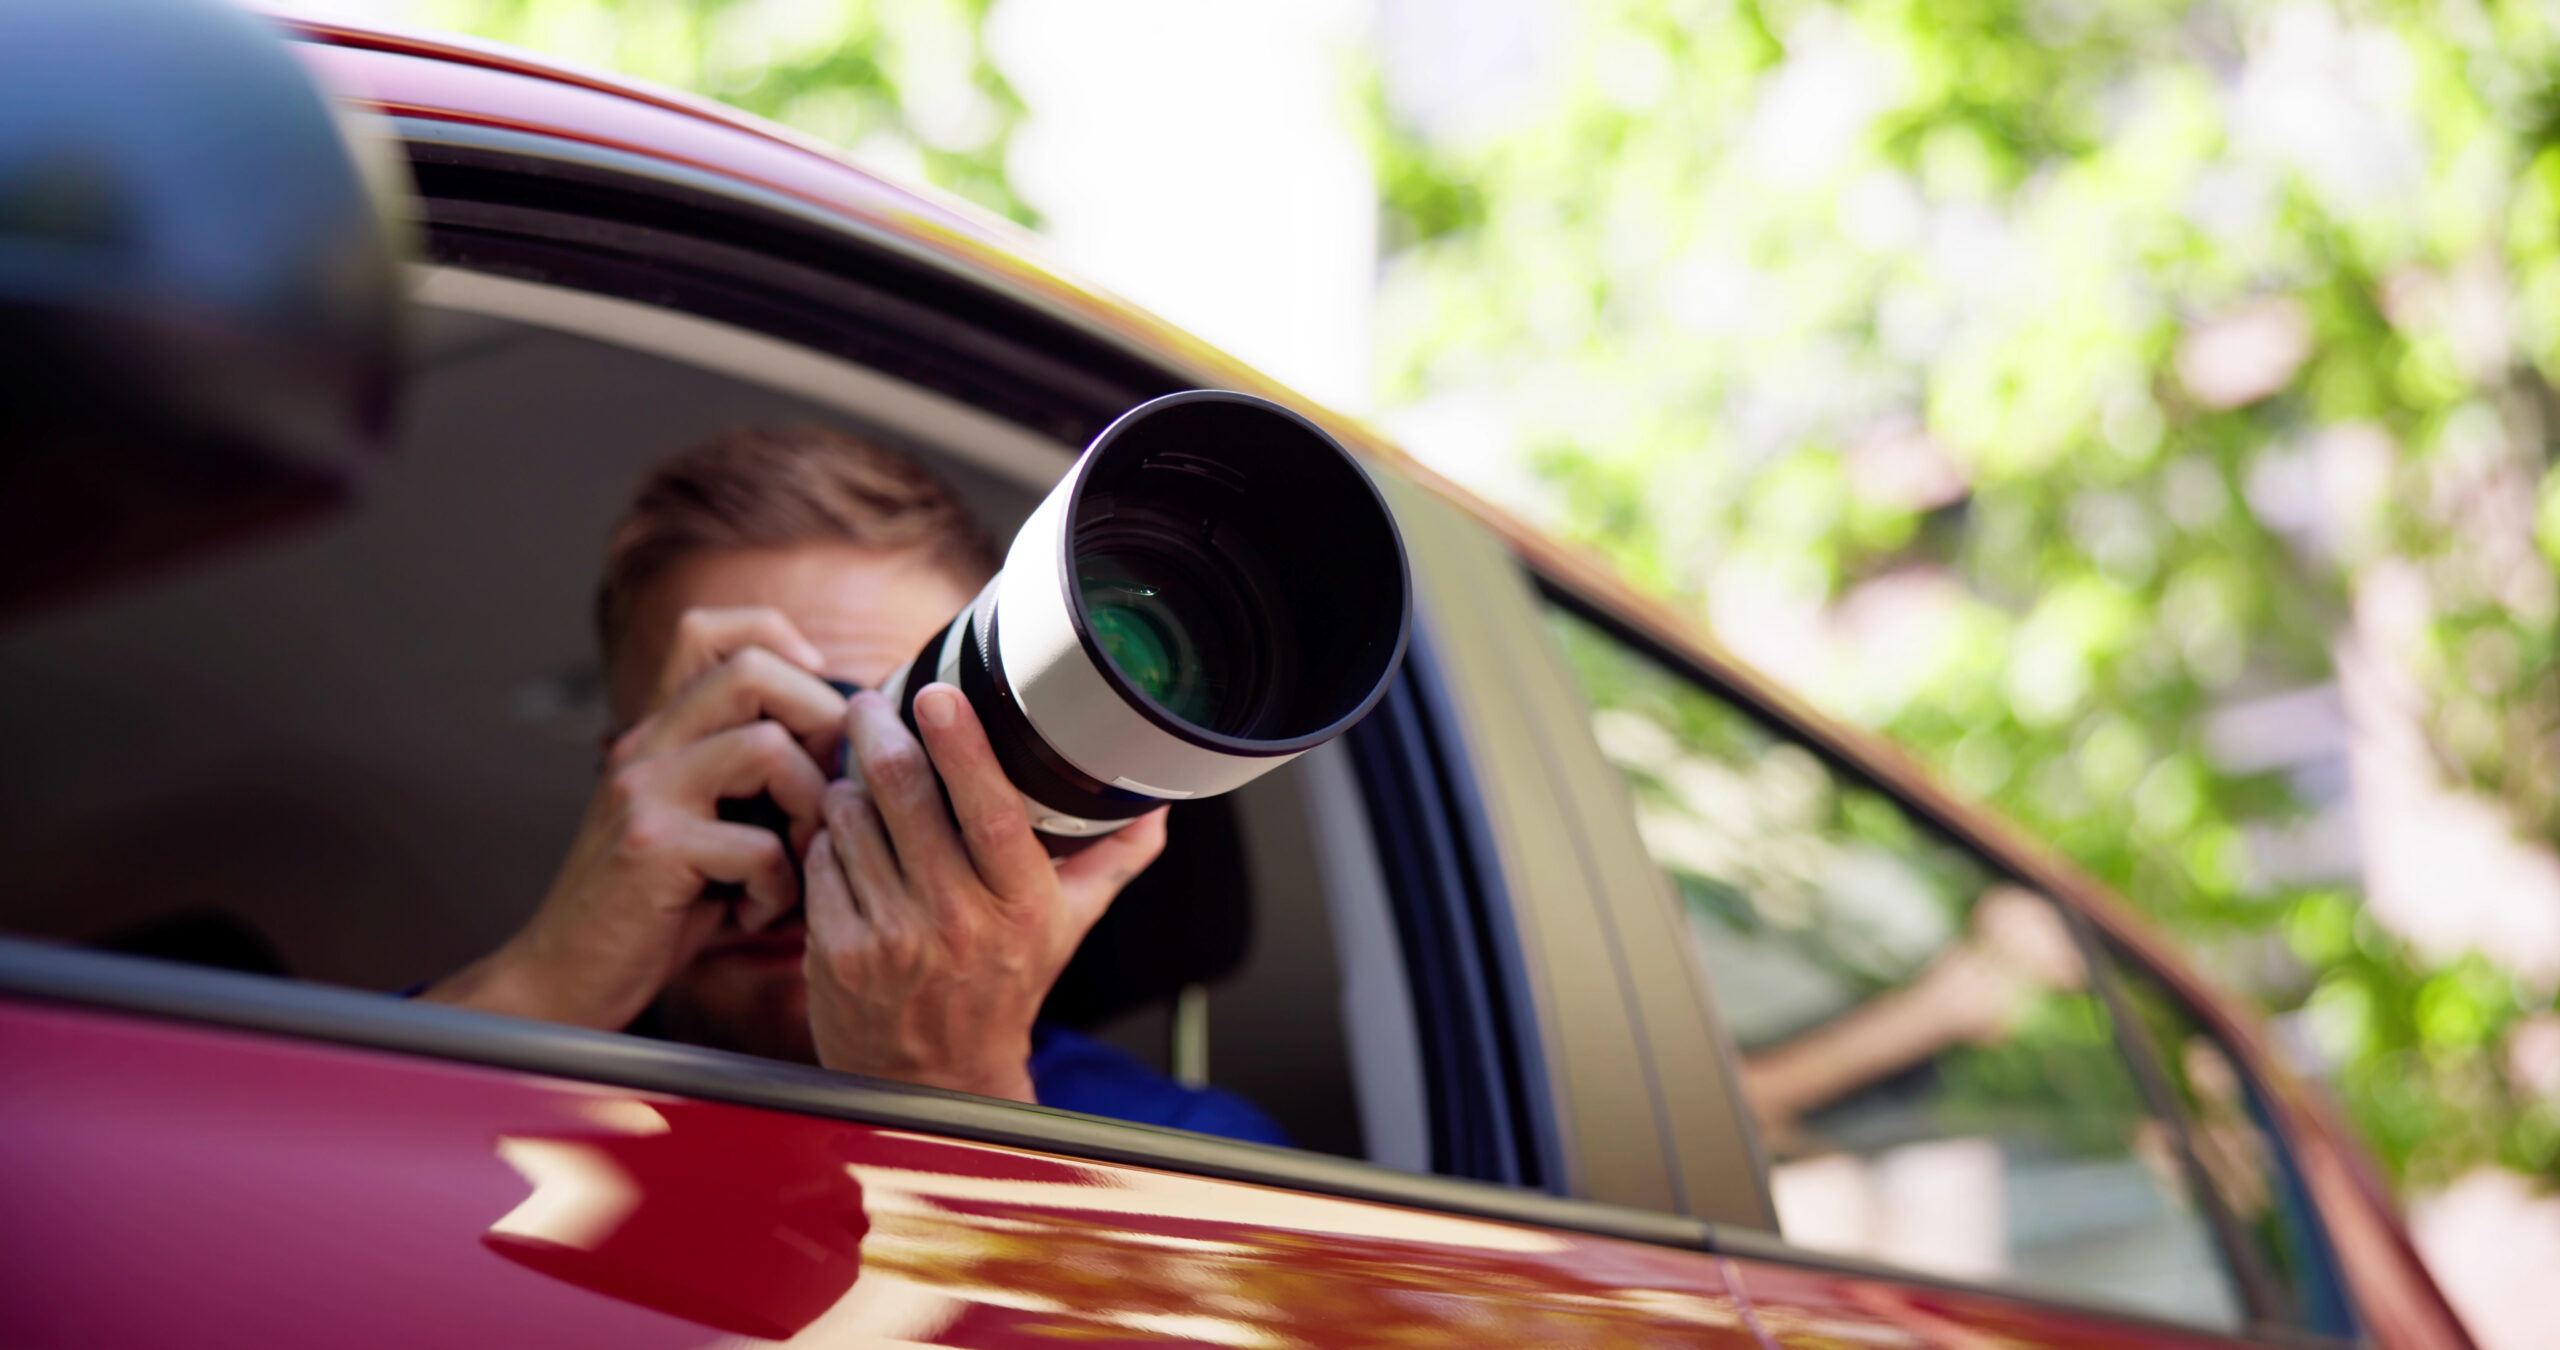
{"points": [[266, 1190]]}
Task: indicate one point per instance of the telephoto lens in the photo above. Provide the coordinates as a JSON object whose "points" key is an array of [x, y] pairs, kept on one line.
{"points": [[1213, 589]]}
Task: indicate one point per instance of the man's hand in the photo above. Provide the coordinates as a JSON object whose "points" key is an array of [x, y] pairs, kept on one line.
{"points": [[739, 710], [931, 945]]}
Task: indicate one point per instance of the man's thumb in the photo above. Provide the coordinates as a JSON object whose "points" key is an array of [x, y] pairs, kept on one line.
{"points": [[1090, 878]]}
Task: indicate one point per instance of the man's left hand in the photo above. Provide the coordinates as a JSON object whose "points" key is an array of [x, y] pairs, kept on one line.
{"points": [[932, 944]]}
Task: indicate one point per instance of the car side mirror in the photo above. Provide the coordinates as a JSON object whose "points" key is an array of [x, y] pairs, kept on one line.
{"points": [[199, 291]]}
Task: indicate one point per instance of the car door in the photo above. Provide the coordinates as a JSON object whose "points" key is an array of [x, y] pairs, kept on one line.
{"points": [[208, 1156]]}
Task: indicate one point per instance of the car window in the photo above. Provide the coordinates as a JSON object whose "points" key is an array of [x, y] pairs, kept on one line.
{"points": [[2239, 1153], [361, 748], [1936, 1082]]}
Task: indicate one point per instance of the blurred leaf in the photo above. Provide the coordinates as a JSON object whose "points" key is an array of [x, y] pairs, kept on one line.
{"points": [[908, 86]]}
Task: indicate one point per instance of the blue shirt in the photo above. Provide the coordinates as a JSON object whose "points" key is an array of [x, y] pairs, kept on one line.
{"points": [[1075, 1072]]}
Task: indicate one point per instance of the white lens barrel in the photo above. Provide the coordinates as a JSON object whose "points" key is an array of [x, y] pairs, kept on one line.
{"points": [[1297, 592], [1068, 700]]}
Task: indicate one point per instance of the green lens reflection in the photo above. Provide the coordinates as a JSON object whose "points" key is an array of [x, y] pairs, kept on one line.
{"points": [[1132, 612]]}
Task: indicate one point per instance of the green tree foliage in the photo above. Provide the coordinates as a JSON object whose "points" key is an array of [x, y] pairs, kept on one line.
{"points": [[2066, 373], [907, 85]]}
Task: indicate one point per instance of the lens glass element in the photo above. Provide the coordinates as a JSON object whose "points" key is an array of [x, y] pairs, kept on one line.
{"points": [[1137, 610]]}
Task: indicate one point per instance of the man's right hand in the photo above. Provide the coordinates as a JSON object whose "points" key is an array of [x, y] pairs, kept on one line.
{"points": [[739, 710]]}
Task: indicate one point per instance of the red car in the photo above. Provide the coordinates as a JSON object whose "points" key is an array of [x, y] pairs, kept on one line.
{"points": [[1612, 996]]}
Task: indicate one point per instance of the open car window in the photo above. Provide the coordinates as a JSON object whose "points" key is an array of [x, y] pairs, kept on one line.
{"points": [[354, 754], [1936, 1078]]}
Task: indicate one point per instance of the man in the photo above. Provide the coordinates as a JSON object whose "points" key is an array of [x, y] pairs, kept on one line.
{"points": [[747, 573]]}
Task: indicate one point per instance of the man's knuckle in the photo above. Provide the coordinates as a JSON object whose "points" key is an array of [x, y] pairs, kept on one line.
{"points": [[995, 824], [771, 746], [752, 668], [627, 787], [898, 768], [1012, 961], [644, 834]]}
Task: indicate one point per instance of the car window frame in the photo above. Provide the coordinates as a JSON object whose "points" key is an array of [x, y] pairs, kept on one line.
{"points": [[587, 218], [524, 213], [1489, 1116], [476, 184], [1021, 339], [1879, 769]]}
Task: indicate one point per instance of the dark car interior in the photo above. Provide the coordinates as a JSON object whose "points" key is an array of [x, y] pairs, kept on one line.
{"points": [[351, 751]]}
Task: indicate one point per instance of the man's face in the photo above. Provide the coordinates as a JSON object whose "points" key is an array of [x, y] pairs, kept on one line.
{"points": [[868, 613]]}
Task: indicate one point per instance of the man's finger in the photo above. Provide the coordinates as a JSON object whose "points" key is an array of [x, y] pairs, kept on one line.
{"points": [[835, 919], [1091, 878], [747, 857], [755, 683], [760, 757], [706, 637], [993, 825], [908, 796], [895, 917], [861, 849]]}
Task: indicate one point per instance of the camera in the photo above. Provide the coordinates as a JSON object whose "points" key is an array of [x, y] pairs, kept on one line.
{"points": [[1213, 589]]}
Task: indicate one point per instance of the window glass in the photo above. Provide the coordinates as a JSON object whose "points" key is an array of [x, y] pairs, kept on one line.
{"points": [[1935, 1081], [2239, 1153]]}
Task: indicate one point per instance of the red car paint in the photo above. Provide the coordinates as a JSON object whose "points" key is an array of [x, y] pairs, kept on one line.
{"points": [[181, 1186], [1800, 1307]]}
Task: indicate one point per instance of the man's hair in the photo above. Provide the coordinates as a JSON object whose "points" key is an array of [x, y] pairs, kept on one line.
{"points": [[781, 487]]}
